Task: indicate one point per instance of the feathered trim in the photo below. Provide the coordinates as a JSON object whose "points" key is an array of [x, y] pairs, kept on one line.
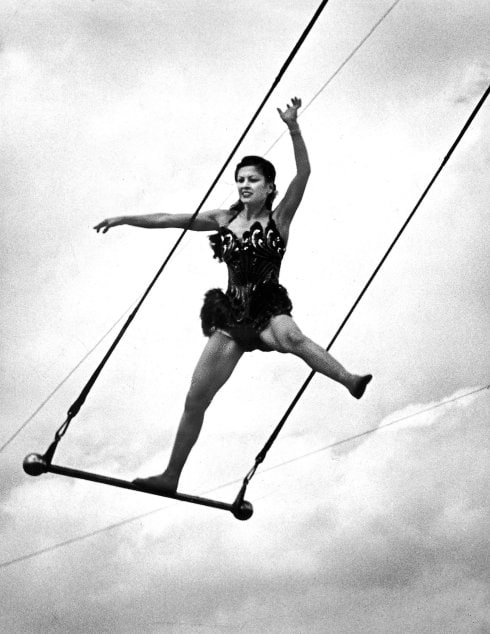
{"points": [[219, 311]]}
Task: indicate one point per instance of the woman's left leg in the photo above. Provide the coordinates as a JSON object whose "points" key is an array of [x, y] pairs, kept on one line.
{"points": [[283, 335]]}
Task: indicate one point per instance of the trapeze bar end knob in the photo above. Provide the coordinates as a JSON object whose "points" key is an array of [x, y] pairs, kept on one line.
{"points": [[34, 464], [244, 511]]}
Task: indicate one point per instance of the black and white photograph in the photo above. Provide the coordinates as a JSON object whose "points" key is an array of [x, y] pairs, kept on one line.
{"points": [[245, 310]]}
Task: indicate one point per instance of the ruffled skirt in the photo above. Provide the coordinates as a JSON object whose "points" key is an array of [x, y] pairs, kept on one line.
{"points": [[244, 313]]}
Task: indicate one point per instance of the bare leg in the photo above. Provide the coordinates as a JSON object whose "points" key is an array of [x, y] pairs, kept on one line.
{"points": [[283, 335], [213, 369]]}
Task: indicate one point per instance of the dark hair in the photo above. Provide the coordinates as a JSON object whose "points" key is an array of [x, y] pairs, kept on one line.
{"points": [[267, 170]]}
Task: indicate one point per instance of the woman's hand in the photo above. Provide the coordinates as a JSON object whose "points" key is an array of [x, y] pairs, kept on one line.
{"points": [[290, 115], [107, 224]]}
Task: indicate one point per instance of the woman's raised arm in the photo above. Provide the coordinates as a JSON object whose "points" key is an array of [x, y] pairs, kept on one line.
{"points": [[289, 204], [205, 221]]}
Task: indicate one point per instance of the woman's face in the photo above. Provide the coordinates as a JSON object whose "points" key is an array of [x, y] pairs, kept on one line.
{"points": [[252, 186]]}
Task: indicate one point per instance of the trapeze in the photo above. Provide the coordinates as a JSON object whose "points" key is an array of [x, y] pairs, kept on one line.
{"points": [[35, 464]]}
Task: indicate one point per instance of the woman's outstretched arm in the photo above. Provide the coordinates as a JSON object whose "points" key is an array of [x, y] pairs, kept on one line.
{"points": [[205, 221], [289, 204]]}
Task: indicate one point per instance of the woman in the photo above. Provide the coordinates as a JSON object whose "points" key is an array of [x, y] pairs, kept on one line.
{"points": [[255, 311]]}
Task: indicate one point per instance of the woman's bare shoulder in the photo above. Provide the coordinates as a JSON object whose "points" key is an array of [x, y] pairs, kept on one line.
{"points": [[224, 216], [208, 220]]}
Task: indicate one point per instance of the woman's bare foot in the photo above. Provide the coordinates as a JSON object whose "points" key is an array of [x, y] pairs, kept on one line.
{"points": [[358, 386], [162, 482]]}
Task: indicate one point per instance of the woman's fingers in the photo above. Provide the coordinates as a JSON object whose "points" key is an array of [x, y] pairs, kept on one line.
{"points": [[104, 225], [290, 108]]}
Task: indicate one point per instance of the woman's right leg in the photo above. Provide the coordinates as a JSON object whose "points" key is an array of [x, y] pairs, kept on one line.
{"points": [[213, 369]]}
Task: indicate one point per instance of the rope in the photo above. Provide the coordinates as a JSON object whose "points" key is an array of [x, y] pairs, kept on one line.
{"points": [[135, 518], [263, 452], [75, 407]]}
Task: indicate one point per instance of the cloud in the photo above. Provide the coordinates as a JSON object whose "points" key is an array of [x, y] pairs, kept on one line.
{"points": [[474, 83], [402, 518]]}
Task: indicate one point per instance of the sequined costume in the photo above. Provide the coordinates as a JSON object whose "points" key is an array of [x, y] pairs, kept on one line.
{"points": [[254, 294]]}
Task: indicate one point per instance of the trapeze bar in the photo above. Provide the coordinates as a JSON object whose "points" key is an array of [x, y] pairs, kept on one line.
{"points": [[35, 464]]}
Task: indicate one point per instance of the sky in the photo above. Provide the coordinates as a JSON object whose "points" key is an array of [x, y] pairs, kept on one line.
{"points": [[115, 107]]}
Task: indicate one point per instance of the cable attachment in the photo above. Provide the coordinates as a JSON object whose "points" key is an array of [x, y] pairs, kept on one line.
{"points": [[242, 509], [48, 456], [35, 464], [64, 427], [246, 481]]}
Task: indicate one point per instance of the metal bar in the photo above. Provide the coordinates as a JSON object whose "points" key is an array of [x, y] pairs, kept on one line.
{"points": [[34, 464], [124, 484]]}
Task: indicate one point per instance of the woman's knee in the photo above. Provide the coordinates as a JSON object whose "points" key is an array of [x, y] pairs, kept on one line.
{"points": [[291, 340]]}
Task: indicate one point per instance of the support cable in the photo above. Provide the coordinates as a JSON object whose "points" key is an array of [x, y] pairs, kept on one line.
{"points": [[263, 452], [75, 407]]}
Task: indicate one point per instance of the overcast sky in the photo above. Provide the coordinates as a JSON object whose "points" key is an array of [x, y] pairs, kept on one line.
{"points": [[119, 107]]}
